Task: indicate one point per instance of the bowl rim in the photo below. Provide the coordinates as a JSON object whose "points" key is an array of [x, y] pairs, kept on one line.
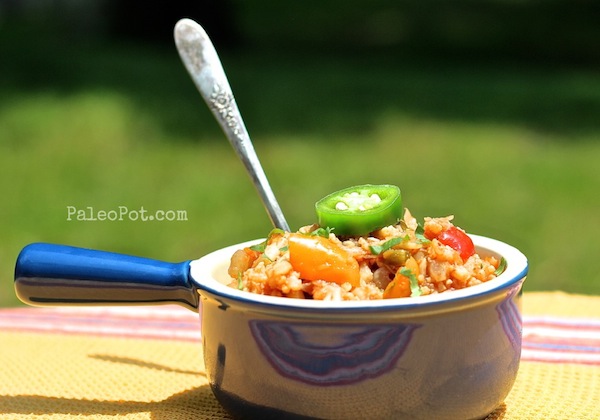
{"points": [[204, 272]]}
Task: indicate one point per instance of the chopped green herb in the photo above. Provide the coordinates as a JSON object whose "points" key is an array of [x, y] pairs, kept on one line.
{"points": [[414, 283], [420, 234], [501, 267], [261, 246], [322, 231], [240, 284], [378, 249], [284, 249]]}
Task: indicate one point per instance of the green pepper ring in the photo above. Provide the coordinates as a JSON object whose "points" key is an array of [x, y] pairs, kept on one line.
{"points": [[353, 221]]}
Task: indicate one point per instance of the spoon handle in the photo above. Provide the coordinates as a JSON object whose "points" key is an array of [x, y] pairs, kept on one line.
{"points": [[202, 62]]}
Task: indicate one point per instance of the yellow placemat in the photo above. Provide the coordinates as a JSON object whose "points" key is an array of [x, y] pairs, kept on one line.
{"points": [[555, 391], [561, 304], [56, 376], [50, 376]]}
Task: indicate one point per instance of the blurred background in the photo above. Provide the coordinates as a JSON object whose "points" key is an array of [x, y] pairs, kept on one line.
{"points": [[487, 109]]}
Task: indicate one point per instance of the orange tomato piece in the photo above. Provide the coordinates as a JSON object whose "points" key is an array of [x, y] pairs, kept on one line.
{"points": [[399, 287], [317, 258]]}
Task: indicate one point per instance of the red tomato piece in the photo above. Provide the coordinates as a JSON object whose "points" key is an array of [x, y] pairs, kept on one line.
{"points": [[457, 240]]}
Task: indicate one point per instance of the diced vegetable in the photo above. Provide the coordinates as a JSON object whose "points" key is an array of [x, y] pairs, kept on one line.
{"points": [[378, 249], [241, 260], [458, 240], [317, 258], [398, 288], [395, 257], [405, 282]]}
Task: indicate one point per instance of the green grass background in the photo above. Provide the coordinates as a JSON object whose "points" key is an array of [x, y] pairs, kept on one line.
{"points": [[511, 149]]}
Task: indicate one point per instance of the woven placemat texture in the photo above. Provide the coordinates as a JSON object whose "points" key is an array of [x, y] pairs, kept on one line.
{"points": [[70, 376], [555, 391]]}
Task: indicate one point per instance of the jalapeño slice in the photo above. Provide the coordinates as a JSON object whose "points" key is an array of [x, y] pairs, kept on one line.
{"points": [[360, 210]]}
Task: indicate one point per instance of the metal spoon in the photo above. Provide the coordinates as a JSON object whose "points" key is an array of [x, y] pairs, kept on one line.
{"points": [[202, 62]]}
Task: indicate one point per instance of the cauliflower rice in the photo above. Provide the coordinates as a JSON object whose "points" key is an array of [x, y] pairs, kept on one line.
{"points": [[401, 260]]}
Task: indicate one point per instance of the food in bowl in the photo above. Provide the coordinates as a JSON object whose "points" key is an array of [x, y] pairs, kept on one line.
{"points": [[363, 248]]}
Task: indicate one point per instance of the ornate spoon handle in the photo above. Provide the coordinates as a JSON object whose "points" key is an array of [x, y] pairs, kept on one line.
{"points": [[202, 62]]}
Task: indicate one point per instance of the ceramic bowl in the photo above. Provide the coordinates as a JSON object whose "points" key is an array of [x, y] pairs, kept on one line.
{"points": [[453, 355]]}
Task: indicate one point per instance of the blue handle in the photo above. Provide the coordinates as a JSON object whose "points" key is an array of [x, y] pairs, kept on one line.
{"points": [[53, 275]]}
